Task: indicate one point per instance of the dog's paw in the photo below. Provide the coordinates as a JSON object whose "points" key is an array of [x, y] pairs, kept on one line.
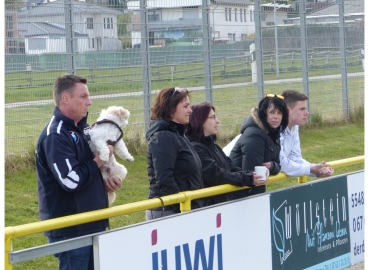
{"points": [[104, 157], [130, 159]]}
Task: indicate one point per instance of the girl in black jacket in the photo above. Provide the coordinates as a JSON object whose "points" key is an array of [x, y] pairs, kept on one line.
{"points": [[259, 143], [172, 162], [217, 168]]}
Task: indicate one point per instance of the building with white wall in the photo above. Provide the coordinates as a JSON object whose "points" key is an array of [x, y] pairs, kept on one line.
{"points": [[231, 20], [95, 26]]}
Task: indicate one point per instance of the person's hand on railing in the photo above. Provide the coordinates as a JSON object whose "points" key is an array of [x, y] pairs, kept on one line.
{"points": [[322, 169]]}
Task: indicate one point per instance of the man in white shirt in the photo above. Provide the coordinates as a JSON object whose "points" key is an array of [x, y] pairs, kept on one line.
{"points": [[291, 159]]}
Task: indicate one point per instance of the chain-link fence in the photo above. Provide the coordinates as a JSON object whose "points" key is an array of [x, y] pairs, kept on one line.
{"points": [[229, 52]]}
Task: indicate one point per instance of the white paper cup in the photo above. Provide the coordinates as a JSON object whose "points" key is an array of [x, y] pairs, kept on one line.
{"points": [[261, 170]]}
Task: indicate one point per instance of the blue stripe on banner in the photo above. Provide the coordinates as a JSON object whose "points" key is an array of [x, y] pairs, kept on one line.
{"points": [[340, 262]]}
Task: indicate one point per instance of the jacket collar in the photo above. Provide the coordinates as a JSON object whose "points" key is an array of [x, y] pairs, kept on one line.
{"points": [[81, 124], [255, 117]]}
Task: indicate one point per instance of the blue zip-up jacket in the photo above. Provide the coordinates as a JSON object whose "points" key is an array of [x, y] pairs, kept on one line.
{"points": [[69, 180]]}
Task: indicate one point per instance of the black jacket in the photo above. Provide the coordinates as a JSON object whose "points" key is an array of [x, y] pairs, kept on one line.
{"points": [[256, 146], [218, 169], [172, 162], [69, 180]]}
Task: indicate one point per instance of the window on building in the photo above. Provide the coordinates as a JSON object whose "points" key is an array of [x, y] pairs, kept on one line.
{"points": [[230, 14], [108, 23], [232, 37], [190, 12], [226, 14], [92, 43], [241, 14], [244, 15], [263, 16], [90, 23], [250, 15], [235, 14], [37, 44], [9, 22], [9, 34], [154, 15], [243, 36]]}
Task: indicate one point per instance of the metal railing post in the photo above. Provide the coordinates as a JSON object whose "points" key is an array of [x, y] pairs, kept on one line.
{"points": [[302, 179], [8, 249]]}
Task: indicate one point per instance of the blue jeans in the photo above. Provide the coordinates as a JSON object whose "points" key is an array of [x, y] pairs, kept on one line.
{"points": [[75, 259]]}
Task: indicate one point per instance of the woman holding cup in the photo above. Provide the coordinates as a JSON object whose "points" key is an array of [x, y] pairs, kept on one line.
{"points": [[217, 168], [259, 142]]}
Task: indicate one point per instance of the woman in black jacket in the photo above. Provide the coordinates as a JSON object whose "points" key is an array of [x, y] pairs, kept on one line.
{"points": [[259, 143], [172, 162], [217, 168]]}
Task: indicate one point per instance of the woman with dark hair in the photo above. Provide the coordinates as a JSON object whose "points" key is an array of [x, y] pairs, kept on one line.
{"points": [[259, 142], [217, 168], [172, 162]]}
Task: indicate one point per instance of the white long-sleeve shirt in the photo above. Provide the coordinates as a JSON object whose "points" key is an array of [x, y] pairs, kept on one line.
{"points": [[290, 156]]}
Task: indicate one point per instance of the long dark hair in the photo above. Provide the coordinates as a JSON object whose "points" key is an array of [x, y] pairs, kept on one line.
{"points": [[279, 104], [200, 113], [166, 103]]}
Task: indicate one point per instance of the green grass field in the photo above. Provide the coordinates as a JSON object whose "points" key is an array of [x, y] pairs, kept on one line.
{"points": [[24, 124], [326, 142]]}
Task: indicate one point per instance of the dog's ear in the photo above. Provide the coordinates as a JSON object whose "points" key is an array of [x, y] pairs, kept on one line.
{"points": [[122, 113]]}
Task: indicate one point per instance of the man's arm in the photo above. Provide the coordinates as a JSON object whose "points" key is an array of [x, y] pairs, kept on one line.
{"points": [[290, 157], [71, 174], [292, 162]]}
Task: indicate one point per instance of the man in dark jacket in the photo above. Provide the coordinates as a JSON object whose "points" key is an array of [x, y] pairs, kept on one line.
{"points": [[69, 179]]}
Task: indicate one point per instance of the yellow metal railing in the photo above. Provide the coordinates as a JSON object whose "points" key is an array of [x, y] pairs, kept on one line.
{"points": [[183, 198]]}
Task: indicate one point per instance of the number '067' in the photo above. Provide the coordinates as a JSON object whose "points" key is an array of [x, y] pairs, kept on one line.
{"points": [[357, 223]]}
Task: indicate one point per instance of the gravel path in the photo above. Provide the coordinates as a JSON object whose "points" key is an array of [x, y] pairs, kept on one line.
{"points": [[358, 266]]}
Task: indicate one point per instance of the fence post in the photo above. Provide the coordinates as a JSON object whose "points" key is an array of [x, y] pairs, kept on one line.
{"points": [[69, 37], [223, 66], [258, 50], [292, 60], [206, 44], [145, 62], [342, 33], [29, 71], [304, 53]]}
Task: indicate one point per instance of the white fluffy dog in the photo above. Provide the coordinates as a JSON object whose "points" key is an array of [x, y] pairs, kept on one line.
{"points": [[107, 130]]}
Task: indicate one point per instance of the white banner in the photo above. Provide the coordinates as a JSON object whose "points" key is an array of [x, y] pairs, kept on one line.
{"points": [[229, 236], [355, 189]]}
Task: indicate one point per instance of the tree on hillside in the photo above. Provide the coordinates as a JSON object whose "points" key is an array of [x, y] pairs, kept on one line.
{"points": [[124, 35]]}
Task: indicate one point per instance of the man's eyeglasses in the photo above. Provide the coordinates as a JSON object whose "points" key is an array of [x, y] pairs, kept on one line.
{"points": [[177, 89], [273, 96]]}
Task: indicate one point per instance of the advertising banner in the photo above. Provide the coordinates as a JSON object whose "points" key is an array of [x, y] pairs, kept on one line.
{"points": [[355, 186], [228, 236], [310, 226]]}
